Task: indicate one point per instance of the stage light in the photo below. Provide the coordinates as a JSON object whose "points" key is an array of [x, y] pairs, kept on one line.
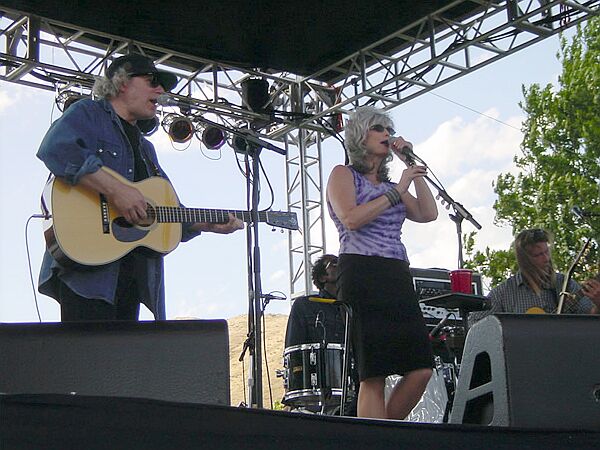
{"points": [[213, 137], [179, 128], [241, 145], [65, 99], [255, 93]]}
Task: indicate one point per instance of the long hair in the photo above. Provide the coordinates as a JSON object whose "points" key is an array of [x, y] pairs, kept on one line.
{"points": [[357, 129], [534, 276], [109, 87]]}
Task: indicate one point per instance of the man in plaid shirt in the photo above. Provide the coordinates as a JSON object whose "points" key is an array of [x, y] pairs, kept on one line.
{"points": [[536, 286]]}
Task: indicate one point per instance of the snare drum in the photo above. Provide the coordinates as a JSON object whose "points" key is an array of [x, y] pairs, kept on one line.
{"points": [[303, 382]]}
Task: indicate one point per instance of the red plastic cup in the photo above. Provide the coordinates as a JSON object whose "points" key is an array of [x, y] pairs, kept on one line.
{"points": [[460, 281]]}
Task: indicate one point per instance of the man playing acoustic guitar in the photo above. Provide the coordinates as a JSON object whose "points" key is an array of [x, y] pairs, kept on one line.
{"points": [[93, 135], [536, 287]]}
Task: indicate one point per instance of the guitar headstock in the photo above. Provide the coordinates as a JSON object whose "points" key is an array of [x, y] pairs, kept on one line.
{"points": [[282, 219]]}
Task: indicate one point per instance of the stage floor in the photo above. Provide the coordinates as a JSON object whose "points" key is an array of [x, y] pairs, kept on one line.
{"points": [[34, 422]]}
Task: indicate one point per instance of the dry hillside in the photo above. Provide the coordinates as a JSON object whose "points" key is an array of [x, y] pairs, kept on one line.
{"points": [[275, 334]]}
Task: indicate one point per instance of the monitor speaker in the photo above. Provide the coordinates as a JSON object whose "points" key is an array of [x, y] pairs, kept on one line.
{"points": [[181, 361], [530, 371]]}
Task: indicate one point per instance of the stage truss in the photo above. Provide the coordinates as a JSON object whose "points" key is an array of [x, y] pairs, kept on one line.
{"points": [[417, 58]]}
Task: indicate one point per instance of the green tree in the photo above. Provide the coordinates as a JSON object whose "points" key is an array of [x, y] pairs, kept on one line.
{"points": [[560, 163]]}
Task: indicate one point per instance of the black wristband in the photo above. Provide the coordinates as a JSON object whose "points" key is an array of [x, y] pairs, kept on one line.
{"points": [[393, 196]]}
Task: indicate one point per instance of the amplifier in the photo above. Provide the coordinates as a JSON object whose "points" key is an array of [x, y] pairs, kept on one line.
{"points": [[433, 282]]}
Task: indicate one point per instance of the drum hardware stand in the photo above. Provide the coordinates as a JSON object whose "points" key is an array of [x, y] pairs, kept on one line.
{"points": [[346, 359], [324, 389]]}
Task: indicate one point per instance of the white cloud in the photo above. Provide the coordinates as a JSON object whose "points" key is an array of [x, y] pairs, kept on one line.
{"points": [[457, 146], [6, 101], [13, 95]]}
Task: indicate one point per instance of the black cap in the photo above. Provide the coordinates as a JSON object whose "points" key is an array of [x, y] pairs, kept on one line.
{"points": [[136, 64]]}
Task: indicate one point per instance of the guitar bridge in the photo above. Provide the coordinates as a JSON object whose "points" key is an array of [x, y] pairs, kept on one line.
{"points": [[104, 213]]}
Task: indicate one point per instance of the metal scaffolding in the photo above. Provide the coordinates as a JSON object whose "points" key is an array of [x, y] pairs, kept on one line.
{"points": [[422, 55]]}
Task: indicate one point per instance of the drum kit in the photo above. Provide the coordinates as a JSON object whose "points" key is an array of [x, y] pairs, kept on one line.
{"points": [[313, 372], [313, 378]]}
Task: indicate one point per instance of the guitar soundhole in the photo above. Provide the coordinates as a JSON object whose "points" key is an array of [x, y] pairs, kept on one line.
{"points": [[126, 232], [122, 223]]}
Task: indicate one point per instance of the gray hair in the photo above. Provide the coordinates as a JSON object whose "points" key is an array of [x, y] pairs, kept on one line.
{"points": [[109, 87], [357, 129]]}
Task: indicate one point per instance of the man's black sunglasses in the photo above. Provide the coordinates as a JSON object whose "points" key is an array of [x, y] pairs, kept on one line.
{"points": [[153, 78]]}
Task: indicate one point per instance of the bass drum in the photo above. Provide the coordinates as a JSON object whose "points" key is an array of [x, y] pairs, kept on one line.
{"points": [[304, 385]]}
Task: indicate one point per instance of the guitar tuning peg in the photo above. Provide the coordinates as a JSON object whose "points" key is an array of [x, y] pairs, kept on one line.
{"points": [[448, 206], [281, 231], [273, 229]]}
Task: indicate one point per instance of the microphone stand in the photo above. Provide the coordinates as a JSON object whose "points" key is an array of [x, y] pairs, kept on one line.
{"points": [[254, 145], [255, 293], [460, 212]]}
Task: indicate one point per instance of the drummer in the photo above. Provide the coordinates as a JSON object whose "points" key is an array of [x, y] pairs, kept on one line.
{"points": [[313, 321]]}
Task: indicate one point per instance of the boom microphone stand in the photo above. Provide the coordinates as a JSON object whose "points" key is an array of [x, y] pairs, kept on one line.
{"points": [[460, 212]]}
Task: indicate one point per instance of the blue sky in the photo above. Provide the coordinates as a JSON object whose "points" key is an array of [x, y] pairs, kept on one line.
{"points": [[206, 278]]}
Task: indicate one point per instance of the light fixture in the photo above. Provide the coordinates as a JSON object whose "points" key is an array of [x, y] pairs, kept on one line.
{"points": [[331, 96], [255, 94], [213, 137], [242, 145], [64, 99], [179, 128]]}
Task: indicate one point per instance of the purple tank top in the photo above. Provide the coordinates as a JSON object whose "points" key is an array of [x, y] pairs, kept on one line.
{"points": [[381, 237]]}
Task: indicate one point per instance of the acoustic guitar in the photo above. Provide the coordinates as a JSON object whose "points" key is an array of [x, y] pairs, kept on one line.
{"points": [[570, 302], [85, 229]]}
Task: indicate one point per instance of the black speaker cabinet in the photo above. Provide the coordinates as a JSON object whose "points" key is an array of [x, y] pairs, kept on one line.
{"points": [[181, 361], [531, 371]]}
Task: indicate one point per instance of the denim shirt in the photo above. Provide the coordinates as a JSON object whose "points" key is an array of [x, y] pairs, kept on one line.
{"points": [[87, 136]]}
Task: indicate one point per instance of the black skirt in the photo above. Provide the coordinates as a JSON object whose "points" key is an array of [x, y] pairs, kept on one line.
{"points": [[389, 335]]}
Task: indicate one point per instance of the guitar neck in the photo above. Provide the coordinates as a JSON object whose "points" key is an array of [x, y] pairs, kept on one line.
{"points": [[572, 299], [173, 214]]}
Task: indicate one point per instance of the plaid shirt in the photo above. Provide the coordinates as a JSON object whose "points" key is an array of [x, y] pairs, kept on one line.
{"points": [[515, 296]]}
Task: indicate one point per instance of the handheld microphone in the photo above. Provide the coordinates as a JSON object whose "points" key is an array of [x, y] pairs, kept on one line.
{"points": [[406, 151]]}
